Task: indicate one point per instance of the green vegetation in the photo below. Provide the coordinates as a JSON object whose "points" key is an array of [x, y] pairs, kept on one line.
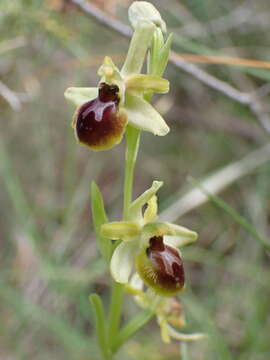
{"points": [[48, 260]]}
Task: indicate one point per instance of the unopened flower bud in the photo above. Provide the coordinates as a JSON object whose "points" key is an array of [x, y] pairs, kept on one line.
{"points": [[143, 10]]}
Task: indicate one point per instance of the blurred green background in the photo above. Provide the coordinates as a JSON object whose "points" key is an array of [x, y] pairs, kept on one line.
{"points": [[48, 260]]}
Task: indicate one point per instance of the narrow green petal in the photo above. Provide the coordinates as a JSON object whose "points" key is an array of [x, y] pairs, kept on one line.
{"points": [[185, 337], [125, 230], [178, 241], [146, 83], [122, 261], [80, 95], [164, 228], [143, 116], [109, 72], [183, 231], [135, 209], [150, 213]]}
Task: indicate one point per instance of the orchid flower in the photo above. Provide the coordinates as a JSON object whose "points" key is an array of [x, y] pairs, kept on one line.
{"points": [[149, 246], [168, 311], [103, 112]]}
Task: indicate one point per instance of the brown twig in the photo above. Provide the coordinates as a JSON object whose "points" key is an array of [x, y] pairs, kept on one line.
{"points": [[248, 99]]}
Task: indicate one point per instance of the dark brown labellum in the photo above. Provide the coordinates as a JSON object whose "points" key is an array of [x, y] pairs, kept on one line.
{"points": [[162, 267], [98, 123]]}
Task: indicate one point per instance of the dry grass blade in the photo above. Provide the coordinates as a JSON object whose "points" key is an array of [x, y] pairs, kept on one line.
{"points": [[216, 183], [224, 60]]}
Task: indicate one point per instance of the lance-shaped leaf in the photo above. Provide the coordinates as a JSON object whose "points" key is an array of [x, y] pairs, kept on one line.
{"points": [[143, 116], [99, 218]]}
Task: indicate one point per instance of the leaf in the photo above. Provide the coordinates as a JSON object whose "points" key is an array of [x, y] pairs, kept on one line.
{"points": [[131, 328], [100, 218], [100, 325]]}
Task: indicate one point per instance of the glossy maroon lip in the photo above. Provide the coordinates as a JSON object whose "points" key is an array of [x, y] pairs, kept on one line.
{"points": [[98, 123], [166, 272]]}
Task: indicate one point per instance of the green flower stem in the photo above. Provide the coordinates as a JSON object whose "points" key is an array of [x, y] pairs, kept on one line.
{"points": [[132, 141]]}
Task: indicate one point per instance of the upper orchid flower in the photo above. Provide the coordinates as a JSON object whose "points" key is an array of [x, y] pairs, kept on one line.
{"points": [[104, 111], [149, 246]]}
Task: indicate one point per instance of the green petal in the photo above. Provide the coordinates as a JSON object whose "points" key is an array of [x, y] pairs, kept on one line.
{"points": [[135, 209], [108, 71], [122, 261], [178, 241], [146, 83], [150, 213], [143, 116], [125, 230], [80, 95], [183, 232], [164, 228], [185, 337]]}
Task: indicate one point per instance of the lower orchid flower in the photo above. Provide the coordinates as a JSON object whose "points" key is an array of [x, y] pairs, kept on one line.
{"points": [[168, 311], [149, 246]]}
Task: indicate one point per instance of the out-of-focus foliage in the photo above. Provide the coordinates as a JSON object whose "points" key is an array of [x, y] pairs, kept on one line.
{"points": [[48, 259]]}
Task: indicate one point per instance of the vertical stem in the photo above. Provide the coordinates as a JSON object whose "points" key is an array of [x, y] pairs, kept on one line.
{"points": [[132, 142]]}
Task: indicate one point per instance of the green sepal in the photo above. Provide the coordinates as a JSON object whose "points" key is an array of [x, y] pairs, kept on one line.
{"points": [[135, 210], [144, 83], [99, 218], [143, 116], [120, 230]]}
